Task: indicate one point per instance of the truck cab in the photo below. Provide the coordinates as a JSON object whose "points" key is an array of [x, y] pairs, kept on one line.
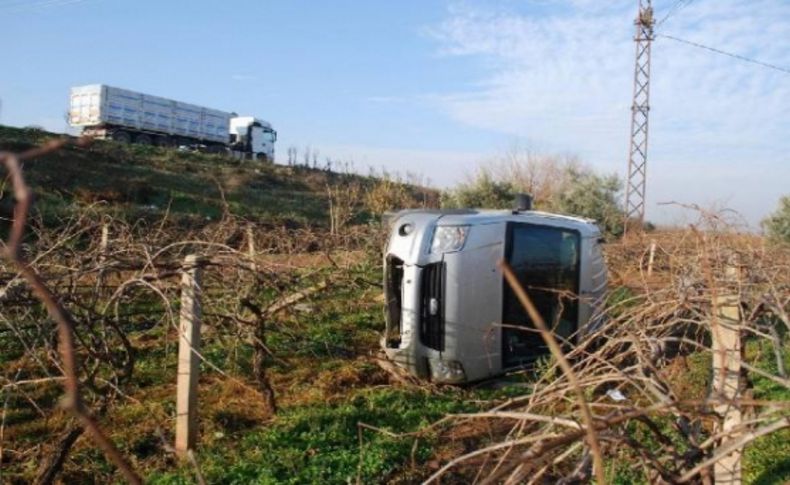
{"points": [[252, 137], [451, 317]]}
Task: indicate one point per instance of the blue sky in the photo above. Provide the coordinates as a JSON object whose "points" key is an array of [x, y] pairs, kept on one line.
{"points": [[439, 87]]}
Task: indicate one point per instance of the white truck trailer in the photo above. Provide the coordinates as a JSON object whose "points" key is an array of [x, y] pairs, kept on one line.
{"points": [[126, 116]]}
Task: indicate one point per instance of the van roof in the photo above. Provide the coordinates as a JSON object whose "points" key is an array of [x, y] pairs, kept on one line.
{"points": [[449, 217]]}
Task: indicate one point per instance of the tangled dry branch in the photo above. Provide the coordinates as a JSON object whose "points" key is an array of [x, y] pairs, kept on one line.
{"points": [[101, 280], [73, 400], [632, 372], [622, 394]]}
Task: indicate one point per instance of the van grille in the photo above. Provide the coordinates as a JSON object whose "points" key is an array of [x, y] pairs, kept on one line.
{"points": [[393, 291], [432, 306]]}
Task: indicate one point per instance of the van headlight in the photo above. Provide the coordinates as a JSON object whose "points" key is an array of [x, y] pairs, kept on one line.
{"points": [[448, 372], [447, 239]]}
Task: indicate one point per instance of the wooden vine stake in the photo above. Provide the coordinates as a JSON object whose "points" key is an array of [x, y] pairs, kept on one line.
{"points": [[727, 382], [188, 359], [104, 244], [251, 248], [651, 258]]}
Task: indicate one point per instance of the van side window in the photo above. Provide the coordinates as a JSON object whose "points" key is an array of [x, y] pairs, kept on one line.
{"points": [[546, 262]]}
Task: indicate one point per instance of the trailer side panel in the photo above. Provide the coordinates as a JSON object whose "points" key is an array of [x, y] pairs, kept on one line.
{"points": [[98, 104]]}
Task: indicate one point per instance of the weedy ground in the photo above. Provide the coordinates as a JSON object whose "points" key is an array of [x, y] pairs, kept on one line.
{"points": [[326, 383], [340, 417]]}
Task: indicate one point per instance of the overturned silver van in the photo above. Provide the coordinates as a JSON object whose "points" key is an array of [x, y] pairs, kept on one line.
{"points": [[451, 317]]}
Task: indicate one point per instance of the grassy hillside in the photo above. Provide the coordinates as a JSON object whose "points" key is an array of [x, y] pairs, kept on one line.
{"points": [[337, 417], [132, 181]]}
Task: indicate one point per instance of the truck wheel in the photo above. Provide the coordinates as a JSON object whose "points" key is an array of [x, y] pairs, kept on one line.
{"points": [[144, 140], [163, 141], [121, 136], [261, 157]]}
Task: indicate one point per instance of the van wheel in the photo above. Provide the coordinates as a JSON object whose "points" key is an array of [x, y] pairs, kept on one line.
{"points": [[144, 140], [261, 157], [121, 136]]}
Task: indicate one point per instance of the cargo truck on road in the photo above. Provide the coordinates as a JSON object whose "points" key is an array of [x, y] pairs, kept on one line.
{"points": [[106, 112]]}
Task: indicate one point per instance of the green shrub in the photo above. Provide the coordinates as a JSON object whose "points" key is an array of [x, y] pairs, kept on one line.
{"points": [[777, 225], [558, 185], [588, 194], [483, 191]]}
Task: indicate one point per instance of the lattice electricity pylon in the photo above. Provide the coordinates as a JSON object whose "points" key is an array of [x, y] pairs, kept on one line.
{"points": [[637, 159]]}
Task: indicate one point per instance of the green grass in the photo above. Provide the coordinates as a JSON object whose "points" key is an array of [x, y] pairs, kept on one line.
{"points": [[767, 459], [325, 387], [321, 444], [132, 181]]}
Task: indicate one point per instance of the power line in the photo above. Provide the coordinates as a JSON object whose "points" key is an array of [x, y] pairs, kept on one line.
{"points": [[672, 11], [26, 5], [725, 53]]}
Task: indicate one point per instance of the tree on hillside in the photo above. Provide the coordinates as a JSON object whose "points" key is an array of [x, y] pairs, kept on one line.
{"points": [[481, 191], [777, 225], [588, 194], [540, 175], [559, 184]]}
